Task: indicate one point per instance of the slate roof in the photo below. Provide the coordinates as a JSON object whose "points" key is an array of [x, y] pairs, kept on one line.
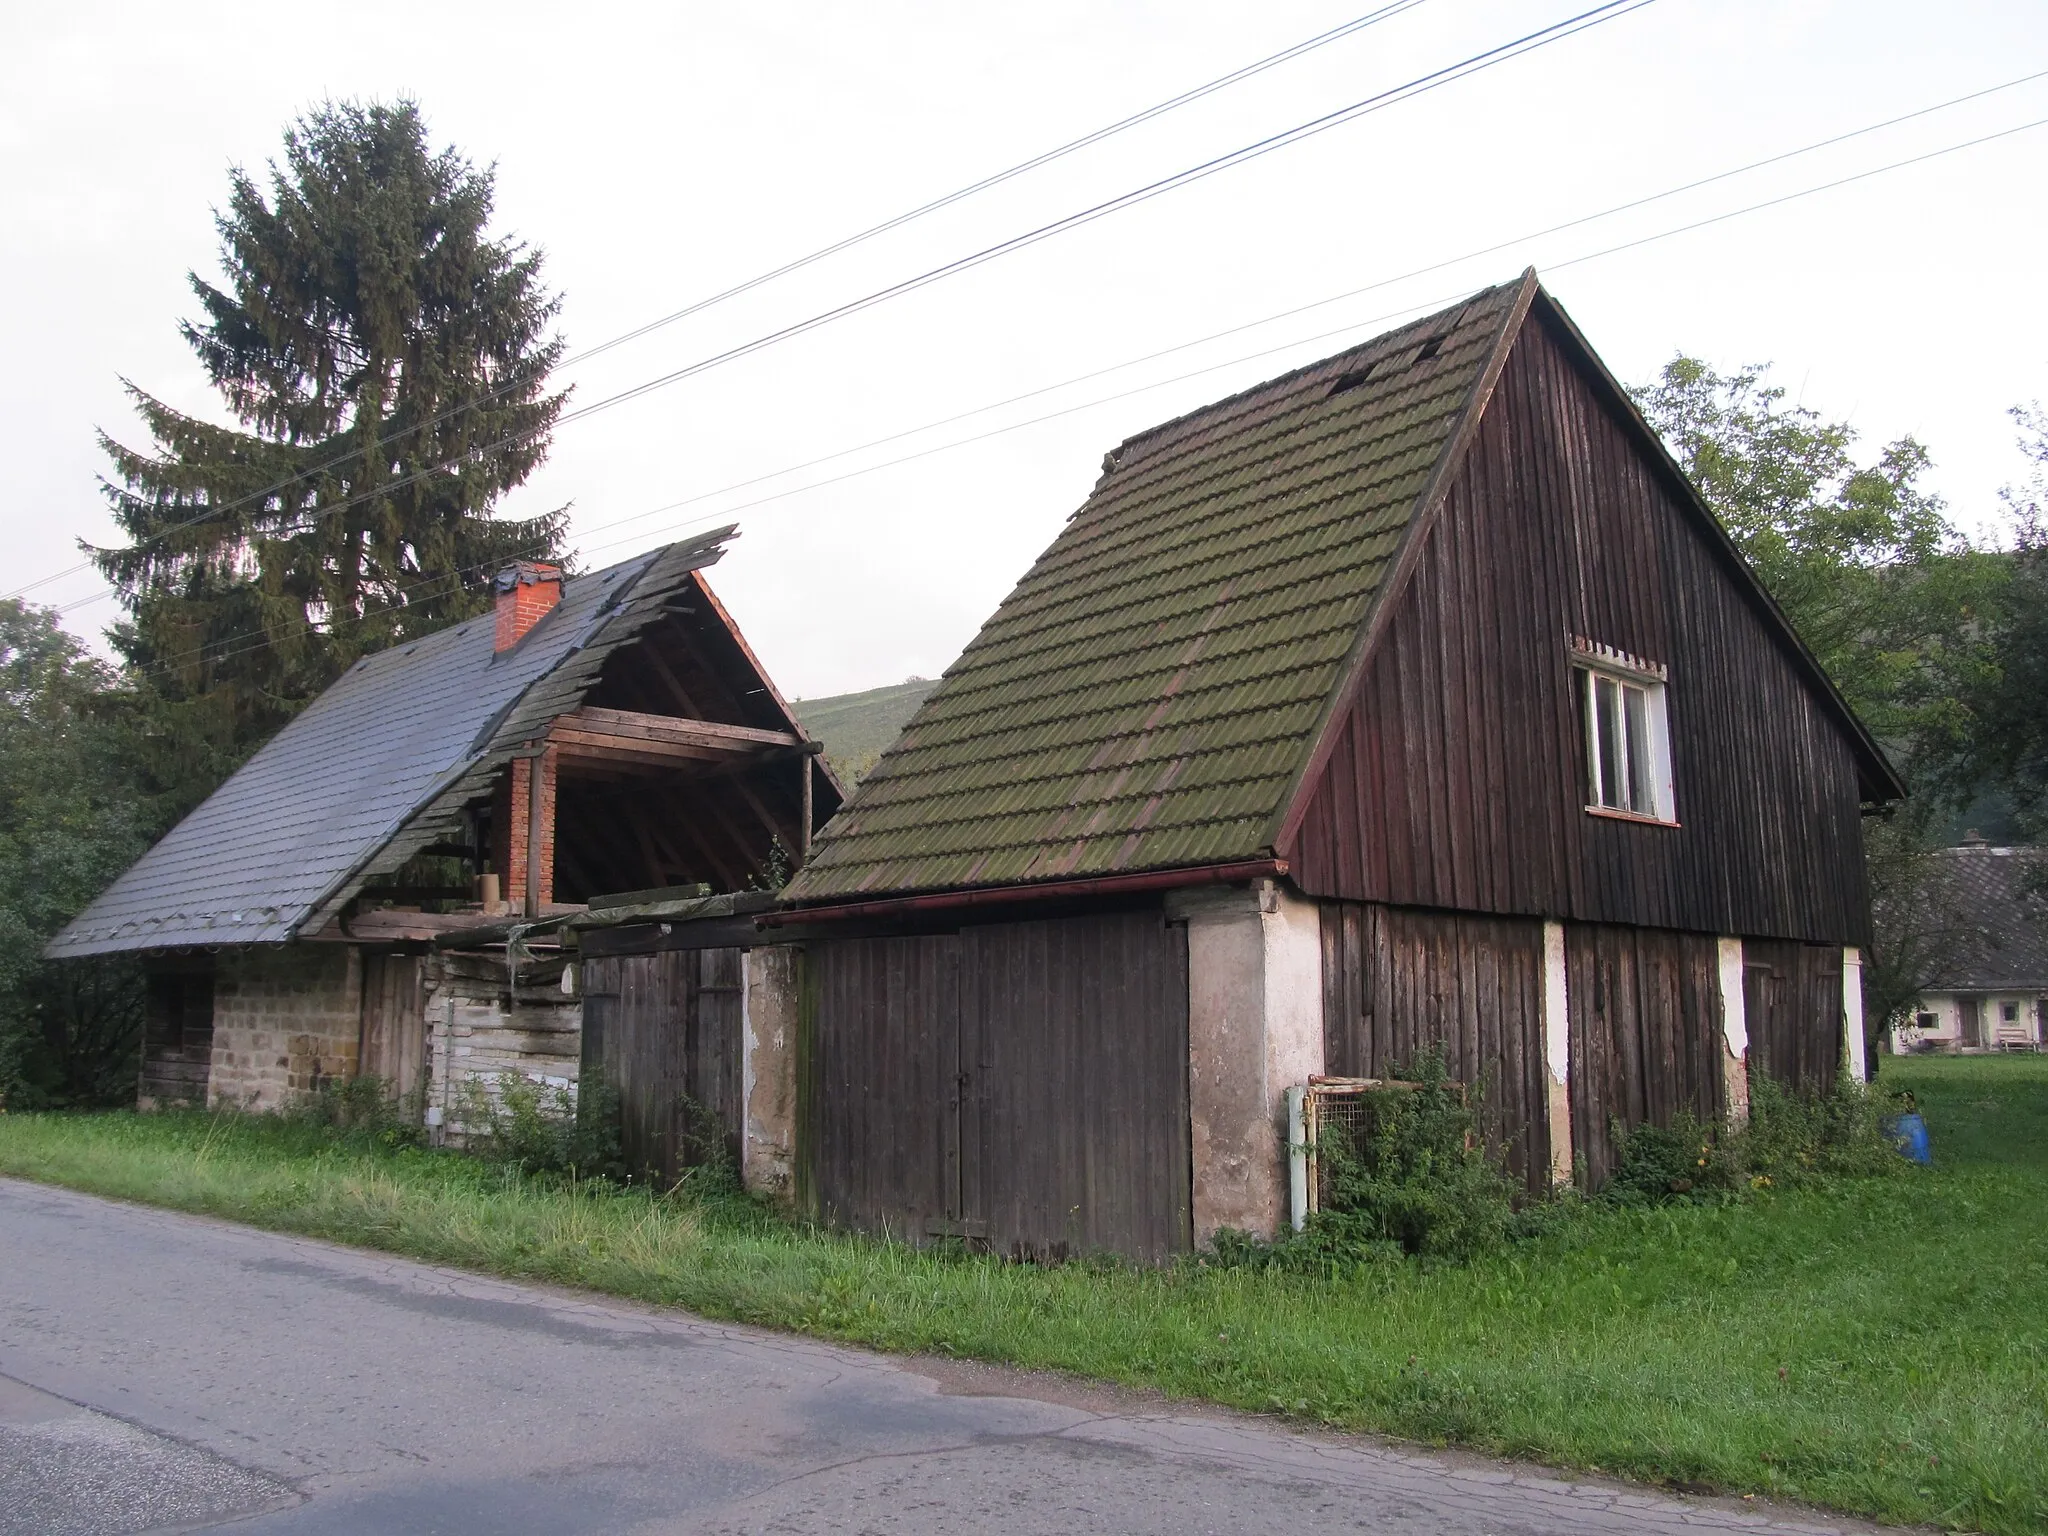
{"points": [[376, 768], [1149, 694], [1991, 900]]}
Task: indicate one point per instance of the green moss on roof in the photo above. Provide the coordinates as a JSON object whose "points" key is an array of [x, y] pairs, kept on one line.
{"points": [[1148, 695]]}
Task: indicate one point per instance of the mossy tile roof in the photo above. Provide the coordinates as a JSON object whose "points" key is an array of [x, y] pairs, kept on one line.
{"points": [[1148, 695]]}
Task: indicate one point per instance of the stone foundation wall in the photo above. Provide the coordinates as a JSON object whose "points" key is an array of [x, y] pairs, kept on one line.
{"points": [[286, 1019], [480, 1028]]}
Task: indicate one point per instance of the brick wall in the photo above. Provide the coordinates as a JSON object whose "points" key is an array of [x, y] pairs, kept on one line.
{"points": [[286, 1019], [511, 817]]}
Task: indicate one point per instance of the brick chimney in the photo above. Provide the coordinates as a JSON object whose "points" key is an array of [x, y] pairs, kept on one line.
{"points": [[526, 591]]}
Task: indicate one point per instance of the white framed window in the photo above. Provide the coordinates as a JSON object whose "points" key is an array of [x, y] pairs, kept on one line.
{"points": [[1628, 733]]}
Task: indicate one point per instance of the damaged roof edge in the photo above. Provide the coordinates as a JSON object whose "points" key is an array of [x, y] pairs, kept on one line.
{"points": [[512, 726]]}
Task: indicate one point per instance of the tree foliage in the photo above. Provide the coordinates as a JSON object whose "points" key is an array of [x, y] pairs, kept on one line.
{"points": [[71, 819], [1860, 556], [387, 363], [1887, 594], [2002, 735]]}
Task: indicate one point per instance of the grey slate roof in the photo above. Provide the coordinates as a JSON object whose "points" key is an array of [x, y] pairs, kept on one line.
{"points": [[1988, 900], [376, 768]]}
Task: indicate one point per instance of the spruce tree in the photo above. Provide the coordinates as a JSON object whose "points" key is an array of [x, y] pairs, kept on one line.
{"points": [[387, 361]]}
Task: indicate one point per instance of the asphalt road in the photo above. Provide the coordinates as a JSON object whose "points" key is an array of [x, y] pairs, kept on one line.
{"points": [[165, 1372]]}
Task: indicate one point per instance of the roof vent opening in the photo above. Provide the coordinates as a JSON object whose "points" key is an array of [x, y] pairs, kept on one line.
{"points": [[1350, 380], [1429, 349]]}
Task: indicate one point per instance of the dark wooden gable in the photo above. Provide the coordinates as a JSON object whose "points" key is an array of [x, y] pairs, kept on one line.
{"points": [[1455, 774]]}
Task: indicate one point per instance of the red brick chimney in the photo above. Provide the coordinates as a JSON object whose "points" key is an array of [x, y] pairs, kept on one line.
{"points": [[526, 591]]}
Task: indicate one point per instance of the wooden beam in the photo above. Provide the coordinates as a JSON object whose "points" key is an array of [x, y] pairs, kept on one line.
{"points": [[629, 735]]}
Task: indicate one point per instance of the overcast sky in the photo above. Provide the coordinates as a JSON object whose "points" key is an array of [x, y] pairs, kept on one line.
{"points": [[660, 153]]}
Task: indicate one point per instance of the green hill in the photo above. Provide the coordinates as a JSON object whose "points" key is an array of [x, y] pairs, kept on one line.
{"points": [[855, 727]]}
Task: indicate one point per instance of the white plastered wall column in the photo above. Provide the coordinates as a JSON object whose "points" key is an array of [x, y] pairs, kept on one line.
{"points": [[1734, 1034], [768, 1026], [1557, 1054], [1853, 1043], [1255, 1029]]}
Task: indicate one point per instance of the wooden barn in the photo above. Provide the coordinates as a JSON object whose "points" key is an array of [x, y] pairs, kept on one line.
{"points": [[387, 886], [1411, 699]]}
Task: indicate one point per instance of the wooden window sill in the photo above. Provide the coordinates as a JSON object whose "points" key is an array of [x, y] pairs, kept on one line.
{"points": [[1638, 818]]}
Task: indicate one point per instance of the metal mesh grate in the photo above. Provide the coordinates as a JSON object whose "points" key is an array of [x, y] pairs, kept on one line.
{"points": [[1344, 1108]]}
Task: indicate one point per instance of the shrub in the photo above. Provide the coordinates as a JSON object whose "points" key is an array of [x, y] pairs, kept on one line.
{"points": [[1416, 1180], [1794, 1138], [1685, 1162], [537, 1127], [1789, 1139], [365, 1106]]}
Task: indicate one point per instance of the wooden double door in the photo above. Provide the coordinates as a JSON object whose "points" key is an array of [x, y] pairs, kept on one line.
{"points": [[1022, 1086], [665, 1031]]}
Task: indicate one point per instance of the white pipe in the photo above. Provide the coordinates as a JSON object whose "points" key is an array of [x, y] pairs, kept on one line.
{"points": [[1297, 1158]]}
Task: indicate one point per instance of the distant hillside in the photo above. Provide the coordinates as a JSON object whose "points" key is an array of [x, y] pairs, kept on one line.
{"points": [[855, 727]]}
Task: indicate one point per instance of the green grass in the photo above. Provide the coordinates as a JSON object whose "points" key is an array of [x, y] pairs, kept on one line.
{"points": [[1876, 1346], [857, 727]]}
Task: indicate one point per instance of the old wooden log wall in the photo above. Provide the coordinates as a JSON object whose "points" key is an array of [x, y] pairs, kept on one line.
{"points": [[1458, 777], [1020, 1085]]}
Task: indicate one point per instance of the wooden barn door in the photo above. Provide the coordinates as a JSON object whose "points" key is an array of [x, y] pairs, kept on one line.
{"points": [[1020, 1085], [878, 1084], [393, 1048], [1792, 997], [1645, 1012], [664, 1030], [1074, 1056]]}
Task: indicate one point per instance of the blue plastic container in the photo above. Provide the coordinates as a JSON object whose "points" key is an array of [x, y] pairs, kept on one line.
{"points": [[1909, 1134]]}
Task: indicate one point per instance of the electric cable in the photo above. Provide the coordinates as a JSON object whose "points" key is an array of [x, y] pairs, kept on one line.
{"points": [[1287, 346], [1529, 42], [1072, 146]]}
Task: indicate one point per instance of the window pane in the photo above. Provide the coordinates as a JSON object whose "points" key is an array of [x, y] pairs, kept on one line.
{"points": [[1636, 748], [1607, 738]]}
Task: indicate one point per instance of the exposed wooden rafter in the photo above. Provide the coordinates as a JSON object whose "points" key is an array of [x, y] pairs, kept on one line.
{"points": [[631, 736]]}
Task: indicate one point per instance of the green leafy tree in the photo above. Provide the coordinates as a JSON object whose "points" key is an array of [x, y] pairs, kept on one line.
{"points": [[387, 363], [1860, 556], [70, 820], [1889, 597], [2003, 738]]}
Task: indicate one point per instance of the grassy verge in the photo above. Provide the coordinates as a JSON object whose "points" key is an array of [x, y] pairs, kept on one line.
{"points": [[1877, 1346]]}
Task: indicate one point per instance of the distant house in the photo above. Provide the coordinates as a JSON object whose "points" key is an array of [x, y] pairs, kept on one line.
{"points": [[1411, 700], [1991, 989], [352, 899]]}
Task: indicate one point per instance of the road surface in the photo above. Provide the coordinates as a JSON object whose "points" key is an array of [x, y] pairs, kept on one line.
{"points": [[167, 1372]]}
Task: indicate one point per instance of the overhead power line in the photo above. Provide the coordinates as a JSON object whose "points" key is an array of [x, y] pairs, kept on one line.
{"points": [[960, 194], [240, 645], [1530, 42]]}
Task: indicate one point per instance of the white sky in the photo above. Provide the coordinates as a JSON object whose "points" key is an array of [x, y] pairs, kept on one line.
{"points": [[658, 153]]}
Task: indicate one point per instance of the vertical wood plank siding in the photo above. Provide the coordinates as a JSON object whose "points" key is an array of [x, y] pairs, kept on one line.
{"points": [[1458, 775], [879, 1094], [1397, 982], [1645, 1013], [1022, 1084], [1792, 997], [394, 1040], [664, 1030]]}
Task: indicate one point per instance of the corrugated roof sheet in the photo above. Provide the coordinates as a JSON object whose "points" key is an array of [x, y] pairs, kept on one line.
{"points": [[1148, 694], [375, 769]]}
